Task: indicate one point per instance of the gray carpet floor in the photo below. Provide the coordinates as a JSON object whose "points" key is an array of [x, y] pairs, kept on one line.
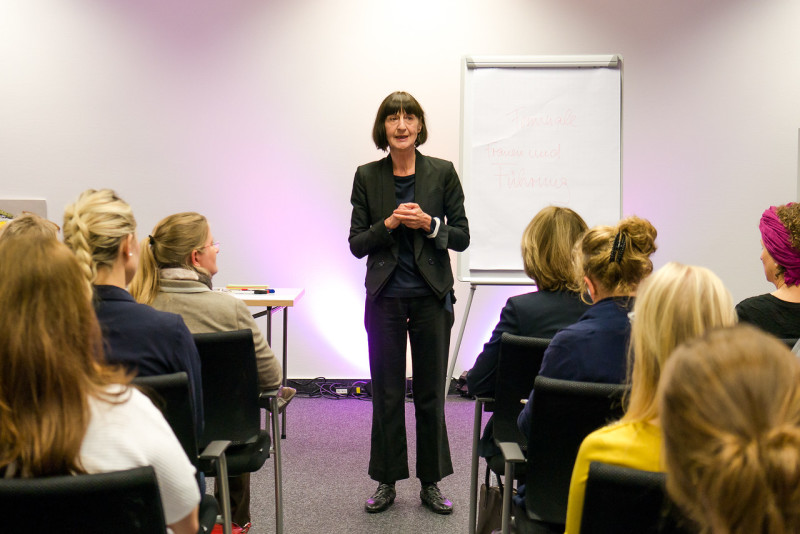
{"points": [[325, 481]]}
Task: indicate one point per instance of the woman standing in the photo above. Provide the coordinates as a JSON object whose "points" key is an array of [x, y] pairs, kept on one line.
{"points": [[408, 212]]}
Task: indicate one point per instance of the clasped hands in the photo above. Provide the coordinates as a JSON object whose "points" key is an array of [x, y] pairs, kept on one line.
{"points": [[410, 215]]}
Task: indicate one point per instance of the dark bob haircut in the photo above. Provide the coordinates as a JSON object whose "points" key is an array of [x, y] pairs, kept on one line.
{"points": [[394, 103]]}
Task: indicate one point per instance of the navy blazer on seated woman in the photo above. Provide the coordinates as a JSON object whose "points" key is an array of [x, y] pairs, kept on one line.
{"points": [[147, 341], [592, 350], [614, 260], [536, 314], [100, 229], [547, 256]]}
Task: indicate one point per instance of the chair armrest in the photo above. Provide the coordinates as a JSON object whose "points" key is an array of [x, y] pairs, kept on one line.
{"points": [[213, 453], [512, 455], [214, 450], [265, 398], [511, 452], [486, 403]]}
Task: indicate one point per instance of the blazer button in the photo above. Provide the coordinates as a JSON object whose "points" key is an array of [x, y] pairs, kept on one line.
{"points": [[380, 263], [430, 261]]}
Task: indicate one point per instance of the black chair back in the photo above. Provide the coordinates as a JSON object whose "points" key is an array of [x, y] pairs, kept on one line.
{"points": [[564, 413], [230, 386], [519, 363], [170, 393], [621, 500], [123, 502], [231, 400]]}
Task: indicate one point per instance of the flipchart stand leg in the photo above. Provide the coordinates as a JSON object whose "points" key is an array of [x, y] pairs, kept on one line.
{"points": [[454, 357]]}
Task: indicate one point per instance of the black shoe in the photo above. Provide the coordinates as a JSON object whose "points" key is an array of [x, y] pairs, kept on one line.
{"points": [[432, 497], [381, 499]]}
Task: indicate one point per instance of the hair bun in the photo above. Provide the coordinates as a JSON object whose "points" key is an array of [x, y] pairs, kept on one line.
{"points": [[641, 232]]}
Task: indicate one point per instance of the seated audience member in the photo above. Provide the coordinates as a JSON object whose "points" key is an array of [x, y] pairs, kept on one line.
{"points": [[675, 304], [101, 230], [63, 410], [29, 224], [177, 262], [548, 260], [614, 260], [730, 413], [778, 312], [547, 245]]}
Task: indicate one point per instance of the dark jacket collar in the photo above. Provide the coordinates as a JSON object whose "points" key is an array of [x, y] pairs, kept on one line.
{"points": [[103, 292]]}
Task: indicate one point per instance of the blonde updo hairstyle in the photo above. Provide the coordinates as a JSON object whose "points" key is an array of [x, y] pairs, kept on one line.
{"points": [[676, 303], [632, 241], [170, 245], [547, 246], [730, 412], [95, 226]]}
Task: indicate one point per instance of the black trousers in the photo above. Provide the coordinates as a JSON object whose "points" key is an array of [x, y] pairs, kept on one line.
{"points": [[390, 322]]}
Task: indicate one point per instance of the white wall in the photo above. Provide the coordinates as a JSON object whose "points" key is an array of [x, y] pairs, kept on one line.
{"points": [[257, 113]]}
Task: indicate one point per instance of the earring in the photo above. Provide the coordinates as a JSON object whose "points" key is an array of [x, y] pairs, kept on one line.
{"points": [[130, 253]]}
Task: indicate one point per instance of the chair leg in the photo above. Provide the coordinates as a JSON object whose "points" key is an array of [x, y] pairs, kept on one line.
{"points": [[224, 492], [276, 448], [473, 477], [507, 491]]}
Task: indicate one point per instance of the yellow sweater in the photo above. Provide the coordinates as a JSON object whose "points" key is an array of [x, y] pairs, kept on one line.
{"points": [[630, 444]]}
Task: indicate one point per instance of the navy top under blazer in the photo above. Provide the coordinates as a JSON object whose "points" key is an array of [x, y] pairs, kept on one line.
{"points": [[592, 350], [148, 341]]}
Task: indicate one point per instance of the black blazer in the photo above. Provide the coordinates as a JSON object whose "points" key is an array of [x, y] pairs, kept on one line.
{"points": [[438, 192]]}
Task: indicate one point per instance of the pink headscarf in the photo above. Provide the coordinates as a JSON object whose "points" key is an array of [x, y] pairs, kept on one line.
{"points": [[778, 243]]}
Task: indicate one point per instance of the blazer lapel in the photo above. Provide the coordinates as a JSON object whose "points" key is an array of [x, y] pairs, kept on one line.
{"points": [[387, 194], [422, 184]]}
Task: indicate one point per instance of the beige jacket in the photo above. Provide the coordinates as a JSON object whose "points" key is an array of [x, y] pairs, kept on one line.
{"points": [[205, 311]]}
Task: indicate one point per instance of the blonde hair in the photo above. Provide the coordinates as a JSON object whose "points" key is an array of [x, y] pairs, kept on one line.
{"points": [[95, 226], [632, 241], [170, 245], [29, 224], [677, 303], [547, 245], [51, 358], [730, 405]]}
